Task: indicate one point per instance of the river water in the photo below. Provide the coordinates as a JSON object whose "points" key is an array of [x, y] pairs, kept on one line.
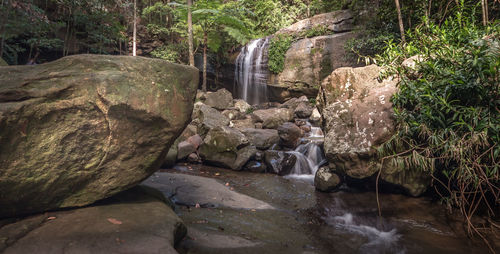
{"points": [[302, 220]]}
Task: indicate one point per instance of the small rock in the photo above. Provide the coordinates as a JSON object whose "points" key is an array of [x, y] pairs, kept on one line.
{"points": [[305, 128], [325, 180], [315, 116], [262, 138], [233, 114], [184, 149], [256, 167], [242, 105], [279, 162], [303, 110], [194, 158]]}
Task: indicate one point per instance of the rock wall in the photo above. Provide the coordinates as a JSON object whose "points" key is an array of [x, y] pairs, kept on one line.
{"points": [[86, 127]]}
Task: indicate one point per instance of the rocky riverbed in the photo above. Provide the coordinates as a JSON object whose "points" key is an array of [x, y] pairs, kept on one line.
{"points": [[244, 212]]}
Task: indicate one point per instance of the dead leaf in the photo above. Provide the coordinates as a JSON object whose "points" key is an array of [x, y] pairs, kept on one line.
{"points": [[217, 174], [51, 218], [114, 221], [227, 184], [197, 205], [253, 210]]}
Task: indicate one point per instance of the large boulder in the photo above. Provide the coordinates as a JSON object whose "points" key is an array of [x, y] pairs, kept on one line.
{"points": [[307, 63], [225, 147], [86, 127], [273, 117], [135, 221], [262, 138], [357, 118], [222, 99]]}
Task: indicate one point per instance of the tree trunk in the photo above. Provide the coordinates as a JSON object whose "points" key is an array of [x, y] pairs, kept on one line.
{"points": [[190, 33], [134, 46], [400, 20], [484, 7], [205, 40]]}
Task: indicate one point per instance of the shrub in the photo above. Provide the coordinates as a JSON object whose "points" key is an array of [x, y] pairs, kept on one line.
{"points": [[448, 110], [277, 50]]}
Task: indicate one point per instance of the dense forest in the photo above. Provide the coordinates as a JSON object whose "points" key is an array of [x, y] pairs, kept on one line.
{"points": [[444, 54]]}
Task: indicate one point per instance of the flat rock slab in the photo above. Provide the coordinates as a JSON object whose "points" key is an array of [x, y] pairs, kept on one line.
{"points": [[191, 190], [131, 222]]}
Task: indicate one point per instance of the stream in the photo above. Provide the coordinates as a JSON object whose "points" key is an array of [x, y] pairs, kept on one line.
{"points": [[242, 212]]}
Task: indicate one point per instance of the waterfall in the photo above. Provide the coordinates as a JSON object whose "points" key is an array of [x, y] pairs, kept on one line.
{"points": [[252, 72]]}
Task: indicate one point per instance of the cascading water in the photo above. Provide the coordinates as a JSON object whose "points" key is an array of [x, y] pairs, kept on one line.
{"points": [[252, 72]]}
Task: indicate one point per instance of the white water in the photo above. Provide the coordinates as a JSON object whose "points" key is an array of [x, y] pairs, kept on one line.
{"points": [[251, 72]]}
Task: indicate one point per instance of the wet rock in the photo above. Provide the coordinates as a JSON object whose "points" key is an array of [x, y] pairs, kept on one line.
{"points": [[207, 118], [262, 138], [188, 190], [130, 222], [289, 134], [243, 156], [221, 147], [414, 183], [303, 110], [279, 162], [87, 127], [325, 180], [273, 117], [256, 167], [242, 105], [171, 157], [305, 128], [222, 99]]}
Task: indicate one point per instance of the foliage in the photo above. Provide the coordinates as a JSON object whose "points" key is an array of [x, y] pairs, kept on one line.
{"points": [[171, 52], [277, 50], [448, 109], [318, 30]]}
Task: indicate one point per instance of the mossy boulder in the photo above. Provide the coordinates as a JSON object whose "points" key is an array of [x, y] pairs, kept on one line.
{"points": [[3, 63], [86, 127]]}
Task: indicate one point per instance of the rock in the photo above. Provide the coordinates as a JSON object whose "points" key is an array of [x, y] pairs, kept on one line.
{"points": [[86, 127], [413, 182], [3, 63], [242, 124], [358, 117], [289, 135], [222, 99], [273, 117], [256, 167], [242, 105], [300, 122], [200, 95], [303, 110], [261, 138], [307, 63], [293, 103], [188, 190], [315, 116], [221, 147], [244, 155], [207, 118], [337, 21], [130, 222], [279, 162], [194, 158], [171, 157], [325, 180], [184, 149], [233, 114], [305, 128], [195, 140], [258, 126]]}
